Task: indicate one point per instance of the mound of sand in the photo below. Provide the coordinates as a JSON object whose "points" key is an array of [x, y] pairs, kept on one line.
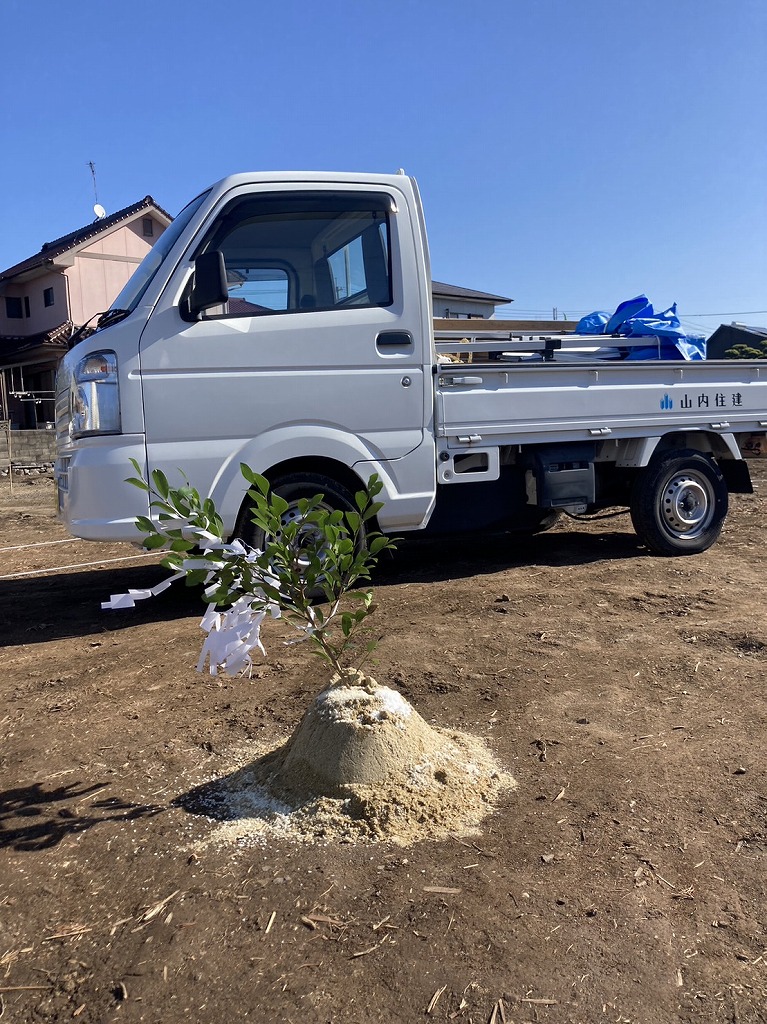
{"points": [[362, 765]]}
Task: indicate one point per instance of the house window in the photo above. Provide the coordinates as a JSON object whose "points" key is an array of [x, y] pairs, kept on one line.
{"points": [[48, 297], [148, 227], [13, 308], [26, 306]]}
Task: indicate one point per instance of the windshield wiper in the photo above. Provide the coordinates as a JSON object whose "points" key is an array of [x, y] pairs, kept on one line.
{"points": [[110, 316]]}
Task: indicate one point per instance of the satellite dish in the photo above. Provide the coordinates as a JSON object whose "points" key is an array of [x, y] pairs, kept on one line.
{"points": [[100, 212]]}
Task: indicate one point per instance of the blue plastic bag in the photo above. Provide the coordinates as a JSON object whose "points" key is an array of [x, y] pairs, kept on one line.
{"points": [[594, 323], [636, 318], [628, 310]]}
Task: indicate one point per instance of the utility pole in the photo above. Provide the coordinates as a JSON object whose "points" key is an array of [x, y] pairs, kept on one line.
{"points": [[5, 425]]}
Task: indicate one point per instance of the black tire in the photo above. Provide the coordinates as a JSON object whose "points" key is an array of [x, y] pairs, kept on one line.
{"points": [[548, 520], [679, 503], [530, 521], [303, 485]]}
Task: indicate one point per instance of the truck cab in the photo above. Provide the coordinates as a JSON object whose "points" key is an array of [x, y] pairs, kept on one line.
{"points": [[282, 321]]}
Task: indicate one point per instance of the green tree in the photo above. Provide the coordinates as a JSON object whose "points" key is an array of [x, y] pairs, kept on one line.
{"points": [[742, 351], [320, 553]]}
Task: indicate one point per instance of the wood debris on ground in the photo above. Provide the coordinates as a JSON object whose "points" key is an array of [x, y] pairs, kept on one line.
{"points": [[151, 912], [70, 933], [498, 1015], [372, 949], [435, 999]]}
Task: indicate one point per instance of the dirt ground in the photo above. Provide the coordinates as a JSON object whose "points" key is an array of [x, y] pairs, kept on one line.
{"points": [[623, 880]]}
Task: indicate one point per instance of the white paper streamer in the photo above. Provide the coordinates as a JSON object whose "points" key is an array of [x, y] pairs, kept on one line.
{"points": [[232, 634], [117, 601]]}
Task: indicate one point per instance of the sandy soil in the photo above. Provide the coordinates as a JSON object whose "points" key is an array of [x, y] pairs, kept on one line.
{"points": [[623, 880]]}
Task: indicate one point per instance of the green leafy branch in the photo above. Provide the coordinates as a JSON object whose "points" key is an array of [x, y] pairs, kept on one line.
{"points": [[313, 553]]}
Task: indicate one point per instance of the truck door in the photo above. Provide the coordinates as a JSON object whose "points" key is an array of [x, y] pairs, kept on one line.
{"points": [[315, 353]]}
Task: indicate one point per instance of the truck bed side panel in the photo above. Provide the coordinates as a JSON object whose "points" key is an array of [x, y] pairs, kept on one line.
{"points": [[548, 402]]}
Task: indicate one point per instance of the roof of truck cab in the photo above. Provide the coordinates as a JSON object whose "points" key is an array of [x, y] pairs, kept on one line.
{"points": [[323, 176], [398, 181]]}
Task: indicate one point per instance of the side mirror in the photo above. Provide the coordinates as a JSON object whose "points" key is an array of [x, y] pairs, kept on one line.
{"points": [[210, 287]]}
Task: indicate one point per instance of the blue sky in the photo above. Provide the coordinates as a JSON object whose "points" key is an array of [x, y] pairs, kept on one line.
{"points": [[570, 153]]}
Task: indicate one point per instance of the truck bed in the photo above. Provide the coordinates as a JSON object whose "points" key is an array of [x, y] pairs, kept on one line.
{"points": [[510, 387]]}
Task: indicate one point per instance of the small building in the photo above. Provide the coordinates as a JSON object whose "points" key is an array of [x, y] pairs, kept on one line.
{"points": [[451, 302], [727, 336], [45, 297]]}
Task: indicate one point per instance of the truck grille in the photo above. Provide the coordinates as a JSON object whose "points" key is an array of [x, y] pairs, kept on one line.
{"points": [[63, 404]]}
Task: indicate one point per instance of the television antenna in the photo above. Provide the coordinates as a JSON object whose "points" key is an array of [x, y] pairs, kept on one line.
{"points": [[98, 209]]}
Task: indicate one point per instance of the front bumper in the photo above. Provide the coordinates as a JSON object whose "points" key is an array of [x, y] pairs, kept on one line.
{"points": [[94, 500]]}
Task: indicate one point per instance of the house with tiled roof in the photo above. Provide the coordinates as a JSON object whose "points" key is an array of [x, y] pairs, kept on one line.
{"points": [[451, 302], [737, 341], [46, 296]]}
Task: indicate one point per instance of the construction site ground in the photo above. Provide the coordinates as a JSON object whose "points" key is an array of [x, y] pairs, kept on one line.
{"points": [[623, 880]]}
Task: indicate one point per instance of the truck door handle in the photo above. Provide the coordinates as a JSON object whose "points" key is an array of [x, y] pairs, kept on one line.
{"points": [[390, 341], [454, 381]]}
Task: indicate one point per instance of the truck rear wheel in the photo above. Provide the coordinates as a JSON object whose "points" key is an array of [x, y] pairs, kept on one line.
{"points": [[530, 521], [679, 503], [548, 520]]}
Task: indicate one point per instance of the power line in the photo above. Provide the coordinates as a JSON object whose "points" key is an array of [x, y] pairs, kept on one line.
{"points": [[742, 312], [691, 325], [561, 309], [564, 313]]}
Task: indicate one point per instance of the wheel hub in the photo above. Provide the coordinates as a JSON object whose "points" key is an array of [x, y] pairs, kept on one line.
{"points": [[308, 535], [686, 505]]}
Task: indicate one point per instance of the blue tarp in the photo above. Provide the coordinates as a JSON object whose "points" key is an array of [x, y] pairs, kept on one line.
{"points": [[636, 318]]}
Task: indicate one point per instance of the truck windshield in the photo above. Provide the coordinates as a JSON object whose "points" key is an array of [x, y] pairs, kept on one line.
{"points": [[131, 294]]}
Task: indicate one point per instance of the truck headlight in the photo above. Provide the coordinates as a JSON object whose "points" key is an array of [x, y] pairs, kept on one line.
{"points": [[96, 395]]}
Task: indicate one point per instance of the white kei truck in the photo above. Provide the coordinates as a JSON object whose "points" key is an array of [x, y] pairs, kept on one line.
{"points": [[284, 320]]}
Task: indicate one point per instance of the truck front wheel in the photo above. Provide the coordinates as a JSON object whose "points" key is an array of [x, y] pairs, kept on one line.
{"points": [[679, 503], [335, 497]]}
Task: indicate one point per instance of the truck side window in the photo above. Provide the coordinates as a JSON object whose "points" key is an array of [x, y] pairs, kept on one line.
{"points": [[356, 269], [295, 252], [256, 289]]}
